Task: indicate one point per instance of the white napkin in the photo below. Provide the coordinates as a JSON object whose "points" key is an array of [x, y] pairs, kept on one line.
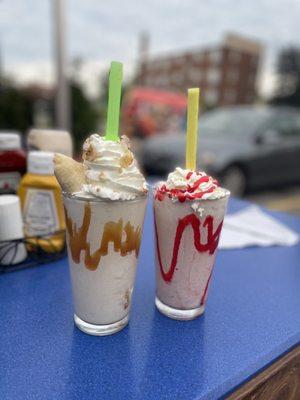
{"points": [[252, 227]]}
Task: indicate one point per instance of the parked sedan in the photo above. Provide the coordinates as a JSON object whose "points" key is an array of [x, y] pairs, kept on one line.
{"points": [[246, 147]]}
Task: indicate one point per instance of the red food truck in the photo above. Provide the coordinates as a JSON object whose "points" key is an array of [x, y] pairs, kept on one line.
{"points": [[148, 111]]}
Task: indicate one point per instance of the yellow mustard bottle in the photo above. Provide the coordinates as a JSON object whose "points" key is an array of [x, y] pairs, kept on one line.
{"points": [[41, 202]]}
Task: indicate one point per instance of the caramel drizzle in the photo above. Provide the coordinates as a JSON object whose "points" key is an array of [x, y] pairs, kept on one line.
{"points": [[112, 232]]}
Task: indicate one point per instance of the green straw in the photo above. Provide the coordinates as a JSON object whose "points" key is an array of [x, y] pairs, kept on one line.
{"points": [[114, 99]]}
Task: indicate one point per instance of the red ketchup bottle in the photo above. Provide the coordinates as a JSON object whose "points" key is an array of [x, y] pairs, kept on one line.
{"points": [[12, 162]]}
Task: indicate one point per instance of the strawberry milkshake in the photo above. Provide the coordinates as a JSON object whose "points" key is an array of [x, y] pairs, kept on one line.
{"points": [[189, 209]]}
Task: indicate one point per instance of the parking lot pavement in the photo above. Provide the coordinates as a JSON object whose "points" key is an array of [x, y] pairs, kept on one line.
{"points": [[286, 200]]}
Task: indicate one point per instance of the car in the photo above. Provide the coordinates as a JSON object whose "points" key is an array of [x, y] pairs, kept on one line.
{"points": [[245, 147]]}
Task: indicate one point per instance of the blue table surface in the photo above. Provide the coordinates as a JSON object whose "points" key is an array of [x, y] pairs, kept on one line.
{"points": [[252, 317]]}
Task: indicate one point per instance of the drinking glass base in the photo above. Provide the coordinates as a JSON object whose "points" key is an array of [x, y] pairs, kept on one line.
{"points": [[179, 314], [100, 330]]}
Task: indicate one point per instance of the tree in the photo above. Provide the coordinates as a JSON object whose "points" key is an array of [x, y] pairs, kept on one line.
{"points": [[84, 115], [288, 68], [16, 109]]}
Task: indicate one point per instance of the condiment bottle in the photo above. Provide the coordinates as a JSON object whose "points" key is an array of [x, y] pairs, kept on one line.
{"points": [[41, 202], [12, 162], [55, 140]]}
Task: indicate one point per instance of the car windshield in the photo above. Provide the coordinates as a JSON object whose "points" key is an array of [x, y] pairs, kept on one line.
{"points": [[233, 122]]}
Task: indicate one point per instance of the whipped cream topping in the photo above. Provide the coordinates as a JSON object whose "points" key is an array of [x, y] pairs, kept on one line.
{"points": [[111, 169], [183, 184]]}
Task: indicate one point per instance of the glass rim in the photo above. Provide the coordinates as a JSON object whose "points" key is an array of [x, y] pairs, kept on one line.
{"points": [[93, 199]]}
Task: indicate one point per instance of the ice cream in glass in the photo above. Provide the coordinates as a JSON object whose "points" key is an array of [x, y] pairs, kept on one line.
{"points": [[189, 208], [105, 199]]}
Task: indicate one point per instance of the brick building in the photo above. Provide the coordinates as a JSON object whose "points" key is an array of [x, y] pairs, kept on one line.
{"points": [[226, 73]]}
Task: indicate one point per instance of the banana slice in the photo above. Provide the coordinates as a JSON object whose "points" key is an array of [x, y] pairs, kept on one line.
{"points": [[69, 173]]}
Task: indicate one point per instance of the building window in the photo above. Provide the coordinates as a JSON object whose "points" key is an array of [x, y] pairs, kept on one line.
{"points": [[162, 79], [211, 96], [178, 62], [235, 56], [230, 96], [161, 65], [254, 61], [177, 77], [233, 75], [215, 56], [198, 58], [249, 98], [251, 80], [213, 76], [194, 74]]}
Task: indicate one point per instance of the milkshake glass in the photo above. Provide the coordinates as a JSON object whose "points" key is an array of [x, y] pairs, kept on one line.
{"points": [[187, 235], [105, 199], [103, 240]]}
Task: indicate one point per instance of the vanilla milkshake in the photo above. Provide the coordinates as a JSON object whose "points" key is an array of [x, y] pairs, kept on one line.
{"points": [[104, 220], [189, 209]]}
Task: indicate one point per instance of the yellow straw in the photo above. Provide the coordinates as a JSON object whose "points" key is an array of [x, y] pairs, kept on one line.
{"points": [[192, 128]]}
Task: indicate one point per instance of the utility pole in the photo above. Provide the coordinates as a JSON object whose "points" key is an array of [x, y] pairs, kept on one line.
{"points": [[143, 54], [144, 44], [1, 68], [62, 92]]}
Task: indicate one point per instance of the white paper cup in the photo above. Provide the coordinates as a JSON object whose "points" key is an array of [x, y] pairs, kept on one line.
{"points": [[11, 228]]}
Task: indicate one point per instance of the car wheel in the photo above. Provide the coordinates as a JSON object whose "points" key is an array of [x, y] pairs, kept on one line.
{"points": [[234, 179]]}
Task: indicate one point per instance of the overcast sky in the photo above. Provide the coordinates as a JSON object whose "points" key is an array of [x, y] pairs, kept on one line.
{"points": [[101, 31]]}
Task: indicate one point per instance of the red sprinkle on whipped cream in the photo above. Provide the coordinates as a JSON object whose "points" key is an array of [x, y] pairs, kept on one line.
{"points": [[185, 184]]}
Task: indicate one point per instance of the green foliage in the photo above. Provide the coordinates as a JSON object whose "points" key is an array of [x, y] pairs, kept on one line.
{"points": [[84, 116], [292, 100], [288, 68], [16, 109]]}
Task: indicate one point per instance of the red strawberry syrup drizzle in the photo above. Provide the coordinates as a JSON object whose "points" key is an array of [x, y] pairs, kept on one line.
{"points": [[210, 246], [188, 193], [203, 298]]}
